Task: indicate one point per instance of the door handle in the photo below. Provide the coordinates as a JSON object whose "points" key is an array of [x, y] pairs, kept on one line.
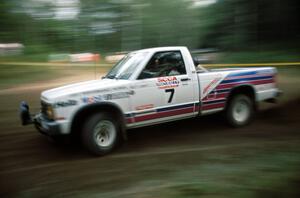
{"points": [[185, 79]]}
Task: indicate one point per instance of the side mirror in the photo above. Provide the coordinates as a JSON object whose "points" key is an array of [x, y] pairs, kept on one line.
{"points": [[198, 60]]}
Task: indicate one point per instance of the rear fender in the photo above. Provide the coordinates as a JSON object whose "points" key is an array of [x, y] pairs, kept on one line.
{"points": [[247, 89]]}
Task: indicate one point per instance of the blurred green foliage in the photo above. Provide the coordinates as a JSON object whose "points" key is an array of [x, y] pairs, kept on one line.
{"points": [[15, 75], [109, 25]]}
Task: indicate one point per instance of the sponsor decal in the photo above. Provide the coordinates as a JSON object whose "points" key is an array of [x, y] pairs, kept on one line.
{"points": [[113, 96], [146, 106], [102, 91], [119, 88], [92, 99], [167, 82], [139, 86], [65, 103], [97, 91]]}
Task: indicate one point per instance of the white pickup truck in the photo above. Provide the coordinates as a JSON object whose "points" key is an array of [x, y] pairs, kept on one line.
{"points": [[147, 87]]}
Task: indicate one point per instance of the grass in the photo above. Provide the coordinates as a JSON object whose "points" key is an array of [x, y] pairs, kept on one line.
{"points": [[38, 57], [16, 75], [263, 56], [291, 71], [260, 174]]}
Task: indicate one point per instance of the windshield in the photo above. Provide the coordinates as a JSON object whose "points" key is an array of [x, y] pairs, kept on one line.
{"points": [[126, 66]]}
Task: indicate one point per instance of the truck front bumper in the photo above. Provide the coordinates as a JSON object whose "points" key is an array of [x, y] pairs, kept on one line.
{"points": [[46, 127], [43, 125]]}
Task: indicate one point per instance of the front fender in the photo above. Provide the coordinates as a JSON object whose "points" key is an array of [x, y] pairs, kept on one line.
{"points": [[85, 110]]}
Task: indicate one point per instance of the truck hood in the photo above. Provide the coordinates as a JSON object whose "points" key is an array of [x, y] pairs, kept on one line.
{"points": [[82, 87]]}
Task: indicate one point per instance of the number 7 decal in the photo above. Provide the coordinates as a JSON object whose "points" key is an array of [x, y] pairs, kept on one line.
{"points": [[172, 91]]}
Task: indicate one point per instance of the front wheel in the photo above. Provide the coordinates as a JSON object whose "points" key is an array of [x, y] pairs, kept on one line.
{"points": [[240, 110], [100, 133]]}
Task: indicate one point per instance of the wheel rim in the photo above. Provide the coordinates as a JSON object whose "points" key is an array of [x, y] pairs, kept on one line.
{"points": [[241, 111], [104, 133]]}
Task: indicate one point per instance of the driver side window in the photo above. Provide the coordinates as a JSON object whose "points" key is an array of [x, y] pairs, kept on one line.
{"points": [[164, 64]]}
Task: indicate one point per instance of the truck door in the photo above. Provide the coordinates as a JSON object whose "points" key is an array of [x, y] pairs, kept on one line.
{"points": [[163, 90]]}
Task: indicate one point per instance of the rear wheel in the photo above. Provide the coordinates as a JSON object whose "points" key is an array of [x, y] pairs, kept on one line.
{"points": [[100, 133], [240, 110]]}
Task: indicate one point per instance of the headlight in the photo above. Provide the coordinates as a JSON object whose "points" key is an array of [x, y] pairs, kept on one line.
{"points": [[50, 112], [47, 110]]}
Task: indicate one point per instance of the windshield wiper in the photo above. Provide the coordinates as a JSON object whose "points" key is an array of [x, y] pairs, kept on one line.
{"points": [[111, 77]]}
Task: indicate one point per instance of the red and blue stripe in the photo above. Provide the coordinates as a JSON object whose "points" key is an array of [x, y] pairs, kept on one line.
{"points": [[162, 113], [217, 97], [214, 100]]}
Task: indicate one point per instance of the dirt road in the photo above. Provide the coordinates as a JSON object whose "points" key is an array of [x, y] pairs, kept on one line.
{"points": [[190, 158]]}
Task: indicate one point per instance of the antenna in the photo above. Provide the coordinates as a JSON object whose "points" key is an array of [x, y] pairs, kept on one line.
{"points": [[95, 62]]}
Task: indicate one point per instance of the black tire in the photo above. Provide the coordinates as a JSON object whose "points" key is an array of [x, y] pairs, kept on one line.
{"points": [[240, 110], [101, 133]]}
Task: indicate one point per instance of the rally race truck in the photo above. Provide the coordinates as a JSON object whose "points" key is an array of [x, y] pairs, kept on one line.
{"points": [[148, 87]]}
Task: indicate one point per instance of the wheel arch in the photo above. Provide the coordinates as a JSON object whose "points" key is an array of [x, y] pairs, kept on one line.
{"points": [[246, 89], [83, 113]]}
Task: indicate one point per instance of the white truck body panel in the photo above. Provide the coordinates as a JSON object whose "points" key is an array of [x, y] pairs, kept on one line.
{"points": [[149, 101]]}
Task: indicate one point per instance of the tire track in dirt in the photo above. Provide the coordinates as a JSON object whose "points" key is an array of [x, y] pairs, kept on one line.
{"points": [[151, 153]]}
